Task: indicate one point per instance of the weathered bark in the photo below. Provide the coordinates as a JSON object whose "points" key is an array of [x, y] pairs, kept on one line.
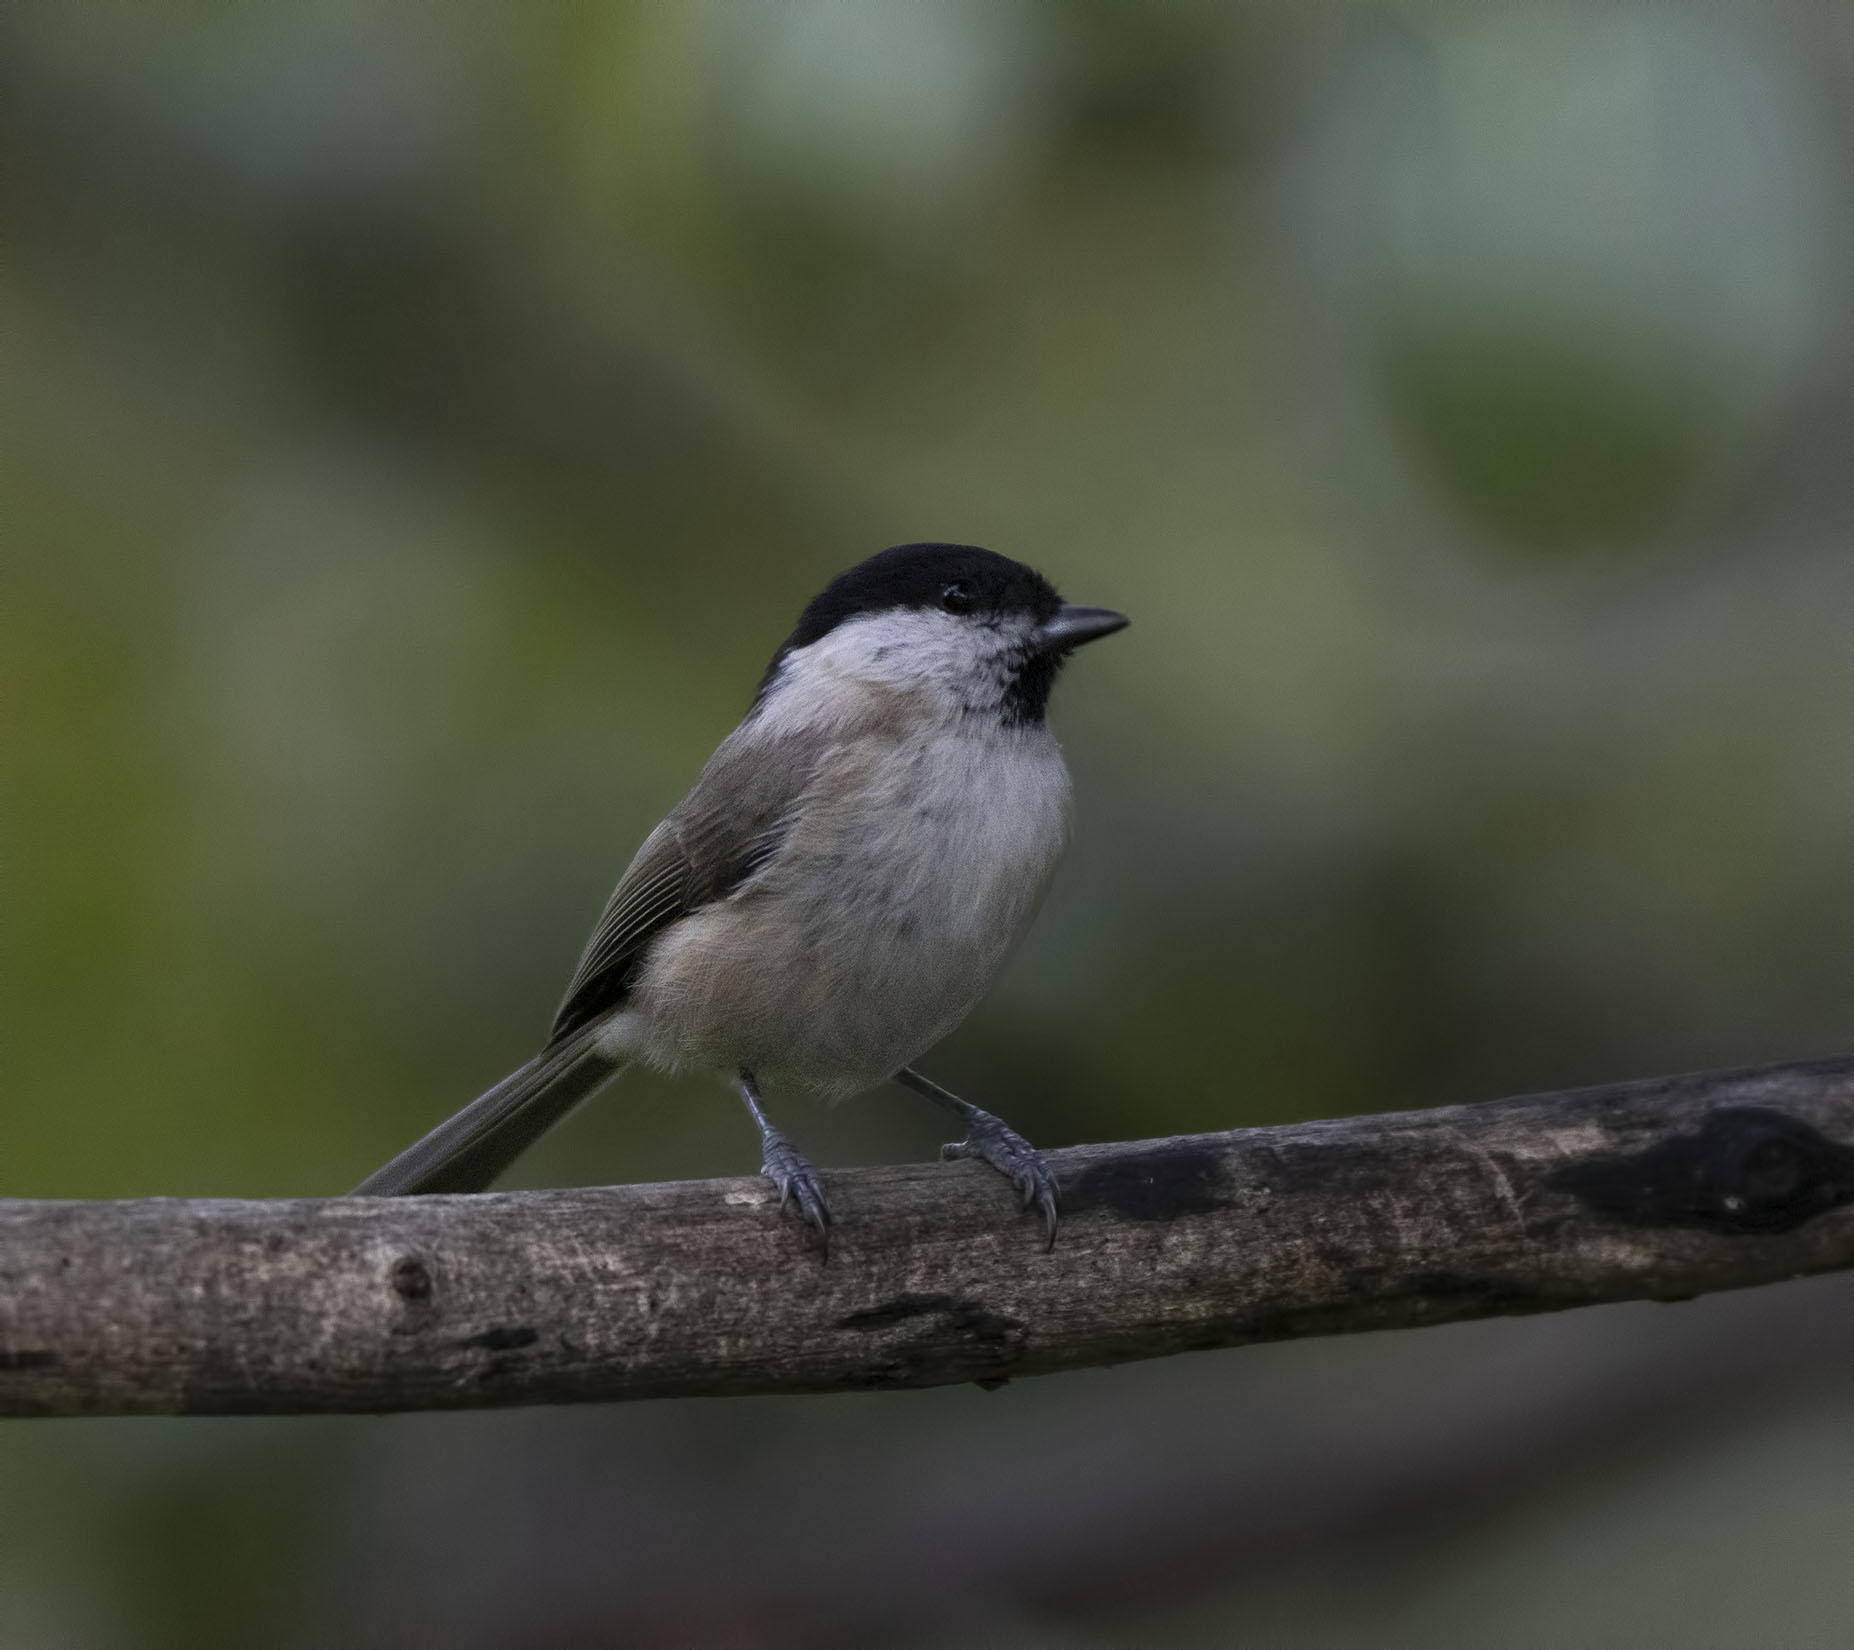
{"points": [[1656, 1190]]}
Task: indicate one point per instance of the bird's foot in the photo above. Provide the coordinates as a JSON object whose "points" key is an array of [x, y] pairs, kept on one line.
{"points": [[797, 1181], [997, 1143]]}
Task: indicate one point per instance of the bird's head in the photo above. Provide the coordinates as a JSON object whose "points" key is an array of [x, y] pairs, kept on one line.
{"points": [[982, 632]]}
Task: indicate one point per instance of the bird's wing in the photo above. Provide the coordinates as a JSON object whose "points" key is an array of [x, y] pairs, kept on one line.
{"points": [[732, 822], [731, 825]]}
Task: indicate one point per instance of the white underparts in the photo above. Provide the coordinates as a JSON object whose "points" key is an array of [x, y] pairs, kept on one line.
{"points": [[911, 867], [618, 1038]]}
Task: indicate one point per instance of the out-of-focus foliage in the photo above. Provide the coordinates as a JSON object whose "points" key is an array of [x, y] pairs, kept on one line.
{"points": [[1587, 260], [418, 424]]}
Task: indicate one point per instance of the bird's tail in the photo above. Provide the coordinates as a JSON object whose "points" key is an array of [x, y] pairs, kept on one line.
{"points": [[466, 1152]]}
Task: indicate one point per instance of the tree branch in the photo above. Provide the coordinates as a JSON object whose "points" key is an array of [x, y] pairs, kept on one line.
{"points": [[1655, 1190]]}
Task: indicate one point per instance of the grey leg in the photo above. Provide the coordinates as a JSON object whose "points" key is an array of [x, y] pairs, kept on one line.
{"points": [[996, 1143], [783, 1166]]}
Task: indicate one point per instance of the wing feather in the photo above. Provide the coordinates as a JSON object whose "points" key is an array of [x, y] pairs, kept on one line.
{"points": [[729, 827]]}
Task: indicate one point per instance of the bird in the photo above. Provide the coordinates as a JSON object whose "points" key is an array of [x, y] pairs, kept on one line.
{"points": [[840, 886]]}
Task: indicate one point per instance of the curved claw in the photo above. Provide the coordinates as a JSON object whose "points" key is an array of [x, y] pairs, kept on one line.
{"points": [[996, 1143], [1046, 1201], [797, 1182]]}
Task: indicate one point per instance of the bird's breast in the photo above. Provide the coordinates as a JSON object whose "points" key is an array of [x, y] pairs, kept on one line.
{"points": [[910, 871], [939, 845]]}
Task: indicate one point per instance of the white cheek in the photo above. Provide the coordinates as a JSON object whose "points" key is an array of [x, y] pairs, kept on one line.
{"points": [[912, 651], [897, 647]]}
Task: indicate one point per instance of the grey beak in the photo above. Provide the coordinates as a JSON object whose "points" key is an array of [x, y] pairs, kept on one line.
{"points": [[1074, 625]]}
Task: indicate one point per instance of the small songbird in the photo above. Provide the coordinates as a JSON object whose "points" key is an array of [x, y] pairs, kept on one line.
{"points": [[842, 884]]}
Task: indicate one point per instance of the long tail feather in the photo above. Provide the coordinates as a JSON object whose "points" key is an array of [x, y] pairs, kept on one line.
{"points": [[466, 1152]]}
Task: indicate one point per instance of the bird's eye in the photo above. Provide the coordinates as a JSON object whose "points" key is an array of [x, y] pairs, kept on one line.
{"points": [[957, 597]]}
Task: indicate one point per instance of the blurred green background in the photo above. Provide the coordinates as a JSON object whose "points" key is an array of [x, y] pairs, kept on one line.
{"points": [[418, 426]]}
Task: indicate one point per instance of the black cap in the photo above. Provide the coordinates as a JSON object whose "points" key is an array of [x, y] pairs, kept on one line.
{"points": [[959, 578]]}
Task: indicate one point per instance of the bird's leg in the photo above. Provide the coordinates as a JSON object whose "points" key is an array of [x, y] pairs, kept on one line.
{"points": [[994, 1142], [781, 1163]]}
